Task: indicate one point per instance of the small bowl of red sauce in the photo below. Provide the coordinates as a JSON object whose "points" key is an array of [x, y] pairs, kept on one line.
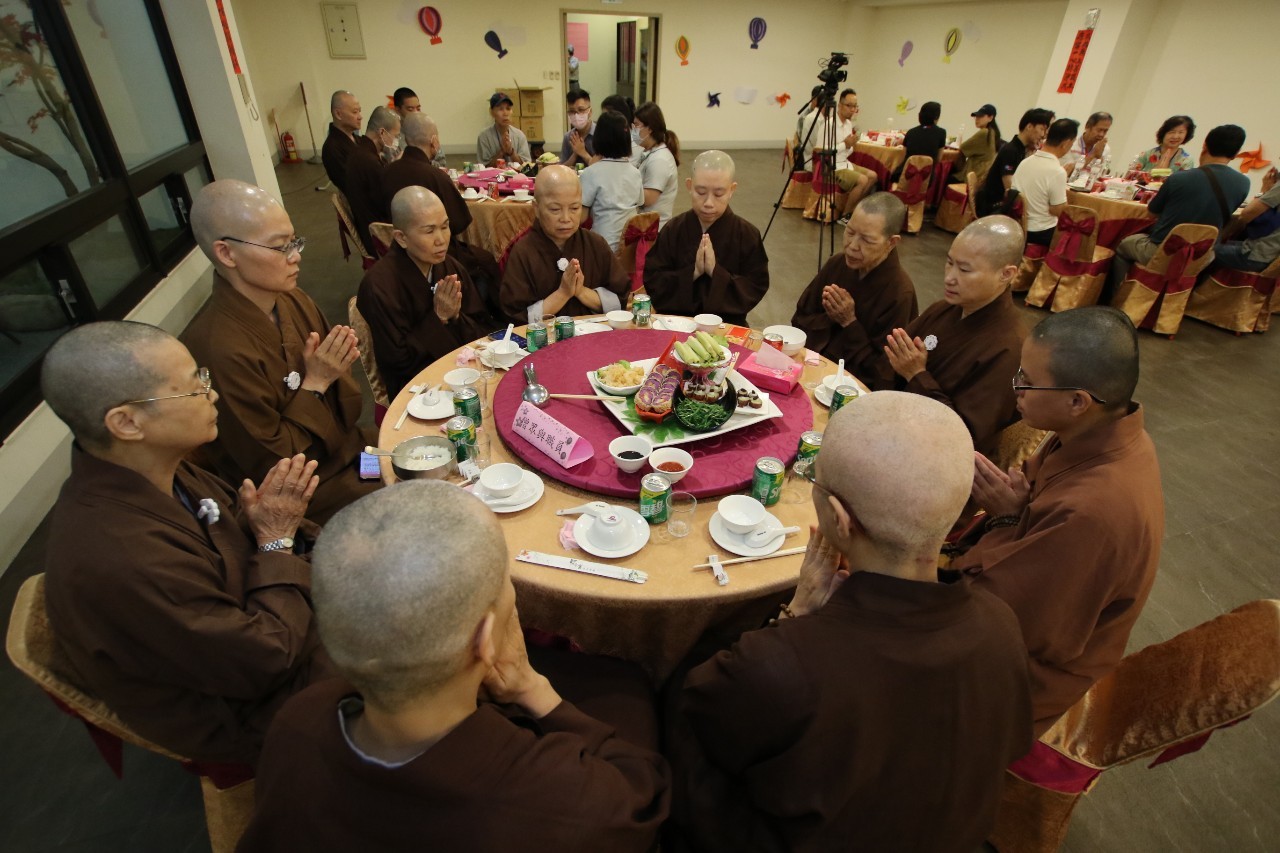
{"points": [[671, 462]]}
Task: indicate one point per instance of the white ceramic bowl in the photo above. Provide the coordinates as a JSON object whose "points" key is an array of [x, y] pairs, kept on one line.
{"points": [[471, 193], [520, 195], [630, 442], [619, 319], [461, 377], [671, 454], [611, 533], [741, 513], [830, 383], [793, 339], [708, 322], [679, 324], [501, 480], [620, 390]]}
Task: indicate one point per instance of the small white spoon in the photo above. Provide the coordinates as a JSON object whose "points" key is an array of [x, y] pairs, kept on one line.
{"points": [[596, 508], [761, 538]]}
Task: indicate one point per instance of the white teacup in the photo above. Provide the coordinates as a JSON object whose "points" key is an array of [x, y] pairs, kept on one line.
{"points": [[520, 195], [471, 193], [741, 513], [504, 352], [461, 377], [610, 532], [708, 322], [501, 480], [831, 383]]}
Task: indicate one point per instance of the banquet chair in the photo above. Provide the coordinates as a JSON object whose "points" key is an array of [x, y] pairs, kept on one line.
{"points": [[796, 195], [956, 210], [1033, 254], [347, 231], [1164, 701], [913, 188], [1154, 294], [1236, 300], [227, 789], [638, 237], [381, 234], [825, 200], [1075, 269], [381, 399], [1016, 443]]}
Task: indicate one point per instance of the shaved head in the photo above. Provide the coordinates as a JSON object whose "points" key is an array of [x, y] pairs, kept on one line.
{"points": [[714, 161], [903, 464], [96, 367], [410, 204], [418, 129], [558, 203], [345, 110], [556, 179], [339, 99], [399, 605], [383, 118], [1095, 347], [1001, 239], [229, 208]]}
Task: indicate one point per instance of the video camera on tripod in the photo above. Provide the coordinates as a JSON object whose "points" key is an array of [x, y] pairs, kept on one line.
{"points": [[832, 74]]}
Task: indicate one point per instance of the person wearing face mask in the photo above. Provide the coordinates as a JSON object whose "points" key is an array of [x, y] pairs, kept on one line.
{"points": [[579, 145], [501, 140], [708, 259], [364, 173], [660, 161]]}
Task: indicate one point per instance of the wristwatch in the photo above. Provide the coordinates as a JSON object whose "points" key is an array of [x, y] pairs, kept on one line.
{"points": [[284, 543]]}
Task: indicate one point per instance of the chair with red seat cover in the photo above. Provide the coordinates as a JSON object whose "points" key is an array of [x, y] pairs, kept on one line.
{"points": [[1154, 294], [1236, 300], [1075, 269], [638, 237], [956, 210], [825, 199], [347, 232], [913, 189]]}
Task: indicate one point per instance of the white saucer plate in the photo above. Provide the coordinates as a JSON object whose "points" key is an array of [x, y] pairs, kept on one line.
{"points": [[490, 359], [682, 325], [442, 409], [528, 493], [590, 327], [735, 543], [632, 519]]}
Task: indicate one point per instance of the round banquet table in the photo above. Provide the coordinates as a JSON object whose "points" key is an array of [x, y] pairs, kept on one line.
{"points": [[1118, 218], [657, 623]]}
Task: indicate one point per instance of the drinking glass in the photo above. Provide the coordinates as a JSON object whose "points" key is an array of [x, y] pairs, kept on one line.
{"points": [[798, 485], [475, 455], [549, 320], [680, 511]]}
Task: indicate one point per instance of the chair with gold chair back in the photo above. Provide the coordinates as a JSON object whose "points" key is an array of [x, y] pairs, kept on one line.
{"points": [[825, 200], [381, 234], [347, 231], [913, 189], [1155, 294], [1236, 300], [638, 237], [1163, 701], [1075, 269], [1033, 254], [956, 210], [227, 788], [368, 361]]}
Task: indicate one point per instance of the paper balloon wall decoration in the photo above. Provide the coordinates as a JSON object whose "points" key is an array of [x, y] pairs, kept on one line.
{"points": [[906, 51], [682, 50], [491, 39], [429, 20], [952, 44], [756, 30]]}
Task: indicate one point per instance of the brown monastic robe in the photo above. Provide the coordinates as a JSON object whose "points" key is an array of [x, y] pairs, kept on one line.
{"points": [[335, 151], [397, 302], [884, 299], [364, 192], [972, 367], [737, 284], [882, 722], [260, 419], [179, 624], [532, 273], [1078, 566]]}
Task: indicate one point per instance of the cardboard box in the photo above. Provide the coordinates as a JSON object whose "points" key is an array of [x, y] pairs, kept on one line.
{"points": [[532, 128], [531, 103]]}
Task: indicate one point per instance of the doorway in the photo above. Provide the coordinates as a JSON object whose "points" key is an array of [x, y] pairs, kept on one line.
{"points": [[616, 55]]}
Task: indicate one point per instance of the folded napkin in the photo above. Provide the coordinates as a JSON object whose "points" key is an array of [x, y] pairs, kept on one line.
{"points": [[566, 537]]}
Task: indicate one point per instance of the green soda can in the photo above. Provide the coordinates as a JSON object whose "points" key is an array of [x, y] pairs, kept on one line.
{"points": [[536, 336], [466, 401], [641, 311], [766, 481], [655, 495], [461, 430], [842, 395], [810, 444], [564, 328]]}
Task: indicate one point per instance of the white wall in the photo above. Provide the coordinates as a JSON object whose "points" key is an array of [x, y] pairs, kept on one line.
{"points": [[599, 74]]}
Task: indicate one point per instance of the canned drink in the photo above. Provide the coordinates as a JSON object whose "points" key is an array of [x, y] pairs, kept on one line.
{"points": [[500, 163], [766, 481], [655, 498], [493, 189], [810, 444], [536, 337], [641, 311], [461, 430], [842, 395], [466, 401], [468, 167], [564, 328], [774, 340]]}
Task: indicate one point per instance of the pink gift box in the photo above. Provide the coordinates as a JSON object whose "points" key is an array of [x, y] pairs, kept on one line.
{"points": [[768, 378]]}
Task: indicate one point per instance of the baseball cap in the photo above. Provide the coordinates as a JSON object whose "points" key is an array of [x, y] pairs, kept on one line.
{"points": [[985, 110], [498, 98]]}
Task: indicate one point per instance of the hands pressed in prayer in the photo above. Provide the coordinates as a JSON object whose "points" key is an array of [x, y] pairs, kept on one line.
{"points": [[852, 139], [448, 298], [821, 573], [704, 262], [997, 492], [571, 281], [512, 680], [276, 508], [839, 305], [326, 360], [578, 143], [906, 356]]}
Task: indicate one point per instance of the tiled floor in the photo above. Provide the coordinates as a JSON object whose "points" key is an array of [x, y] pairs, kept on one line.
{"points": [[1212, 408]]}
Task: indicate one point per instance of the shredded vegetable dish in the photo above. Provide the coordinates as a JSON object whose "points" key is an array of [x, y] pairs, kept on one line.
{"points": [[620, 374]]}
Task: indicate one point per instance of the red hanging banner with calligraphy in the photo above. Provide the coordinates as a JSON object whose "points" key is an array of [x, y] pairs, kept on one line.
{"points": [[1074, 61]]}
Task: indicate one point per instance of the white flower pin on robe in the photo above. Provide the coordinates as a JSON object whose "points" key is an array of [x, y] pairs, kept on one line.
{"points": [[931, 342], [209, 510], [562, 264], [293, 381]]}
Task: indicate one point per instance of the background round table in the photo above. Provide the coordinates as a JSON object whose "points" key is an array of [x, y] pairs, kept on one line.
{"points": [[1118, 218], [654, 624]]}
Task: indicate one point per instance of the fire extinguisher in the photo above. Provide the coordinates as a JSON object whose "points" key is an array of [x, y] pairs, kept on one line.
{"points": [[290, 150]]}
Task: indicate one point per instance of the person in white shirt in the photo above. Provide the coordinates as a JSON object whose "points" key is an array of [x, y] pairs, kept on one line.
{"points": [[660, 161], [611, 186], [854, 180], [1042, 182], [1092, 144]]}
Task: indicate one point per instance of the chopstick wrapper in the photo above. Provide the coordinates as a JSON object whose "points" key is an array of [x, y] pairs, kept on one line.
{"points": [[550, 436]]}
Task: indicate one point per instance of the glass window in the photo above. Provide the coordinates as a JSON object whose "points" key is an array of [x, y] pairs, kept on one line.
{"points": [[31, 319], [108, 259], [128, 73], [197, 179], [161, 213], [44, 158]]}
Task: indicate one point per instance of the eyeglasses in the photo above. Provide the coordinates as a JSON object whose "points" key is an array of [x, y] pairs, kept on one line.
{"points": [[294, 246], [206, 385], [1020, 384]]}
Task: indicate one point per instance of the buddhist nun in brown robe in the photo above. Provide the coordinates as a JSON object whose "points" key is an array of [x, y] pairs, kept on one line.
{"points": [[178, 602], [879, 710], [365, 167], [558, 267], [419, 303], [964, 349], [404, 758], [860, 296], [708, 259], [1073, 538], [283, 373]]}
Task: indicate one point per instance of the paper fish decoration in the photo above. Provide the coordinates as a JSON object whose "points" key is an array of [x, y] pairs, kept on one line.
{"points": [[782, 99], [1252, 159], [713, 99], [682, 50], [952, 44], [904, 104], [906, 51], [429, 20], [756, 30], [491, 39]]}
